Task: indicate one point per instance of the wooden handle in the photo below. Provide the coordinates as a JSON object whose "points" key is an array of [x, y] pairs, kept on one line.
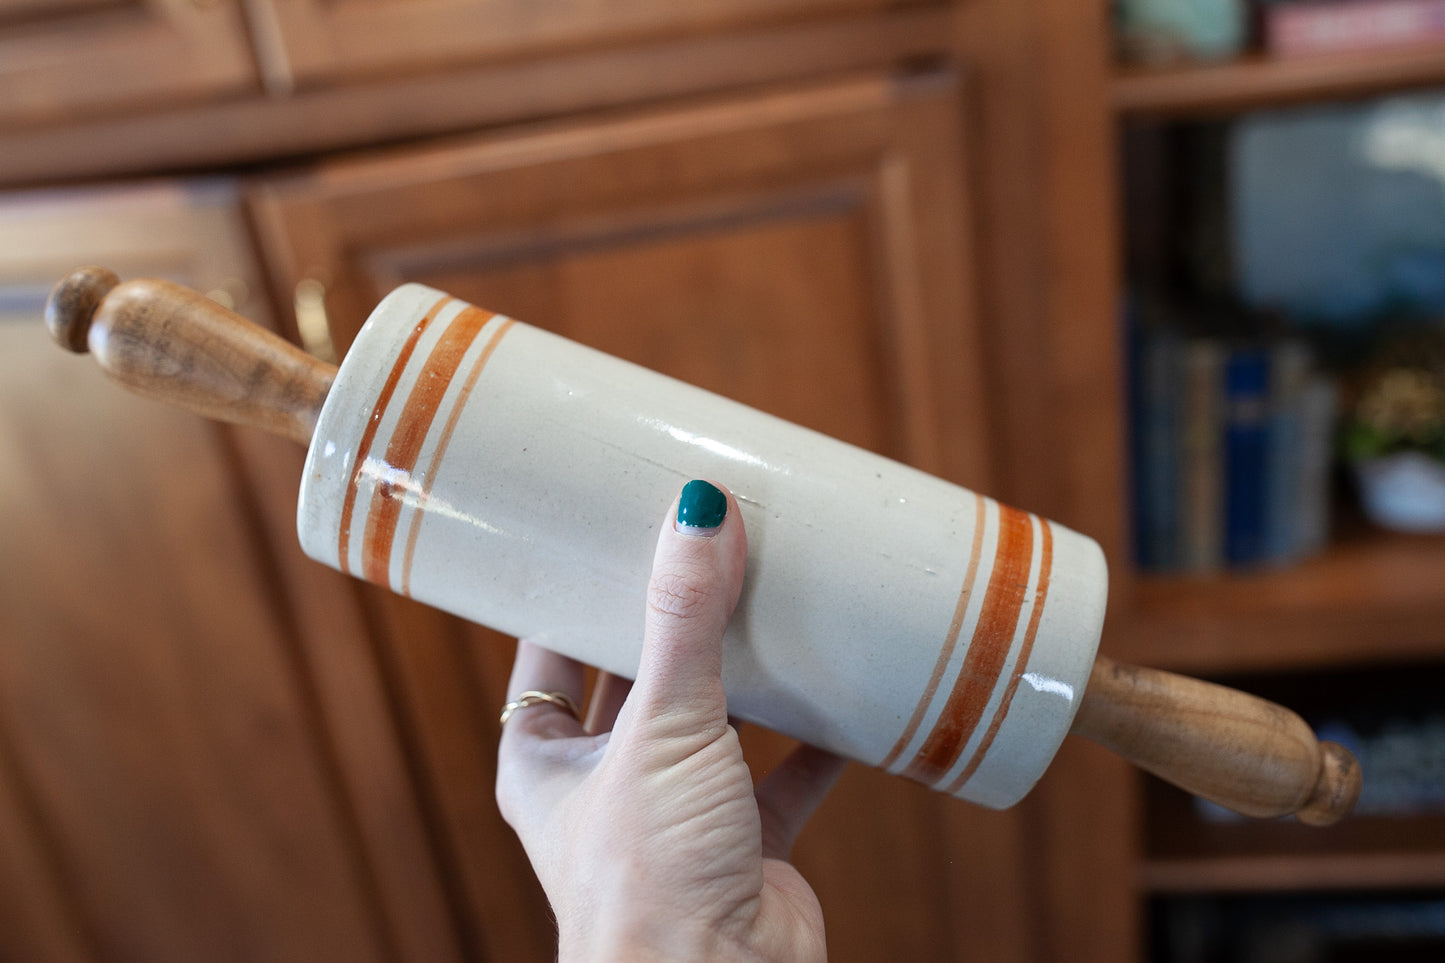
{"points": [[172, 344], [1240, 751]]}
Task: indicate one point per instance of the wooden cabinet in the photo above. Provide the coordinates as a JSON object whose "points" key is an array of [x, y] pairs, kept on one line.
{"points": [[197, 755], [60, 59], [792, 203], [129, 88], [926, 265], [315, 41], [806, 251]]}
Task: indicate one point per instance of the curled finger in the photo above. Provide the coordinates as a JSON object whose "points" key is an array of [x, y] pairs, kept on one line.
{"points": [[608, 697], [792, 792], [555, 683], [538, 752]]}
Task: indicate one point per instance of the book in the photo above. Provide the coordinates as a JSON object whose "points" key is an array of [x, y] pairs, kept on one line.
{"points": [[1319, 414], [1160, 31], [1156, 464], [1201, 481], [1233, 451], [1284, 472], [1246, 459], [1302, 28]]}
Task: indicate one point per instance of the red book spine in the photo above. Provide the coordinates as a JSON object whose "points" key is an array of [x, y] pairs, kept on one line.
{"points": [[1314, 28]]}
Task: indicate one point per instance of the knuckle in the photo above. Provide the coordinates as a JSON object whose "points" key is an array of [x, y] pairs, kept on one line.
{"points": [[677, 595]]}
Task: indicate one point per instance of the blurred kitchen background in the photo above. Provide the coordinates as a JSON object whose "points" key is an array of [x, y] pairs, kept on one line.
{"points": [[1171, 272]]}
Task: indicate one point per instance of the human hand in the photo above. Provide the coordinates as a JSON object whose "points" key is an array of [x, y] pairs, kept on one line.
{"points": [[643, 824]]}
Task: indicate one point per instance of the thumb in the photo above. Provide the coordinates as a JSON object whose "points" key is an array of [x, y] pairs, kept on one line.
{"points": [[697, 576]]}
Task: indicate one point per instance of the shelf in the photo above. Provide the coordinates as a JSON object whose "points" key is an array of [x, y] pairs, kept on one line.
{"points": [[1260, 81], [1266, 874], [1188, 854], [1372, 597]]}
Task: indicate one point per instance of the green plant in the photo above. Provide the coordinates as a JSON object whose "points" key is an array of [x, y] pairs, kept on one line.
{"points": [[1397, 409]]}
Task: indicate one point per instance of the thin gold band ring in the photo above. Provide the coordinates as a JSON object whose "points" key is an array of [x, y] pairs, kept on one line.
{"points": [[533, 697]]}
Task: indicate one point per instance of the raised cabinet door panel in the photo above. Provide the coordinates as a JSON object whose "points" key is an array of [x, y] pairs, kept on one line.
{"points": [[197, 757], [60, 59], [807, 252], [815, 237], [312, 40]]}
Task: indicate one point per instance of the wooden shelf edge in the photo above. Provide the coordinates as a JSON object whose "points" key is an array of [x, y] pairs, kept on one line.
{"points": [[1315, 641], [1265, 874], [1370, 599], [1261, 81]]}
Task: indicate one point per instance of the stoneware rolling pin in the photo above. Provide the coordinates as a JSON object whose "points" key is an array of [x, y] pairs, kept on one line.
{"points": [[514, 478]]}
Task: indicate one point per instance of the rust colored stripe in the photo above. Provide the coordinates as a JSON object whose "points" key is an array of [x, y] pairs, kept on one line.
{"points": [[982, 664], [368, 434], [443, 442], [950, 640], [1041, 594], [404, 448]]}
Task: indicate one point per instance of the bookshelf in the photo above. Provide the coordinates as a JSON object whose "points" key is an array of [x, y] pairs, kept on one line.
{"points": [[1290, 872], [1372, 603], [1261, 81], [1373, 595]]}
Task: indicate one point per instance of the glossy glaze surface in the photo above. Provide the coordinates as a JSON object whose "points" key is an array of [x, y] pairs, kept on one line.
{"points": [[517, 479]]}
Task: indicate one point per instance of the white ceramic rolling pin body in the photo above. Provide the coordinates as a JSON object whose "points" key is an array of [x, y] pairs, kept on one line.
{"points": [[517, 479]]}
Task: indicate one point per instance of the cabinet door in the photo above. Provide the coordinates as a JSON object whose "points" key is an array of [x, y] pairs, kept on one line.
{"points": [[806, 252], [60, 58], [317, 40], [197, 758]]}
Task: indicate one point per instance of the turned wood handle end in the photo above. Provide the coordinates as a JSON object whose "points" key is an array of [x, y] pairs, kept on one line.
{"points": [[1236, 749], [73, 303], [1337, 789], [172, 344]]}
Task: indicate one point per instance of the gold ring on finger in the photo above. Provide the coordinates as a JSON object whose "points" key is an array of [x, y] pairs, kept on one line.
{"points": [[534, 697]]}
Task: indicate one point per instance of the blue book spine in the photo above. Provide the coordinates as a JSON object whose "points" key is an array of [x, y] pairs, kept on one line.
{"points": [[1246, 455], [1289, 373], [1156, 467]]}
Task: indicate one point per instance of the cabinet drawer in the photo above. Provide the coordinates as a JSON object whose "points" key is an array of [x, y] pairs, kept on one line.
{"points": [[315, 40], [63, 59]]}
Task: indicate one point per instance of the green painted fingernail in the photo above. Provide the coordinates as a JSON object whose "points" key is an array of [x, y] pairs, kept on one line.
{"points": [[702, 507]]}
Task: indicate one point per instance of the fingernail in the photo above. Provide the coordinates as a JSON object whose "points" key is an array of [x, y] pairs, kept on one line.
{"points": [[701, 509]]}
